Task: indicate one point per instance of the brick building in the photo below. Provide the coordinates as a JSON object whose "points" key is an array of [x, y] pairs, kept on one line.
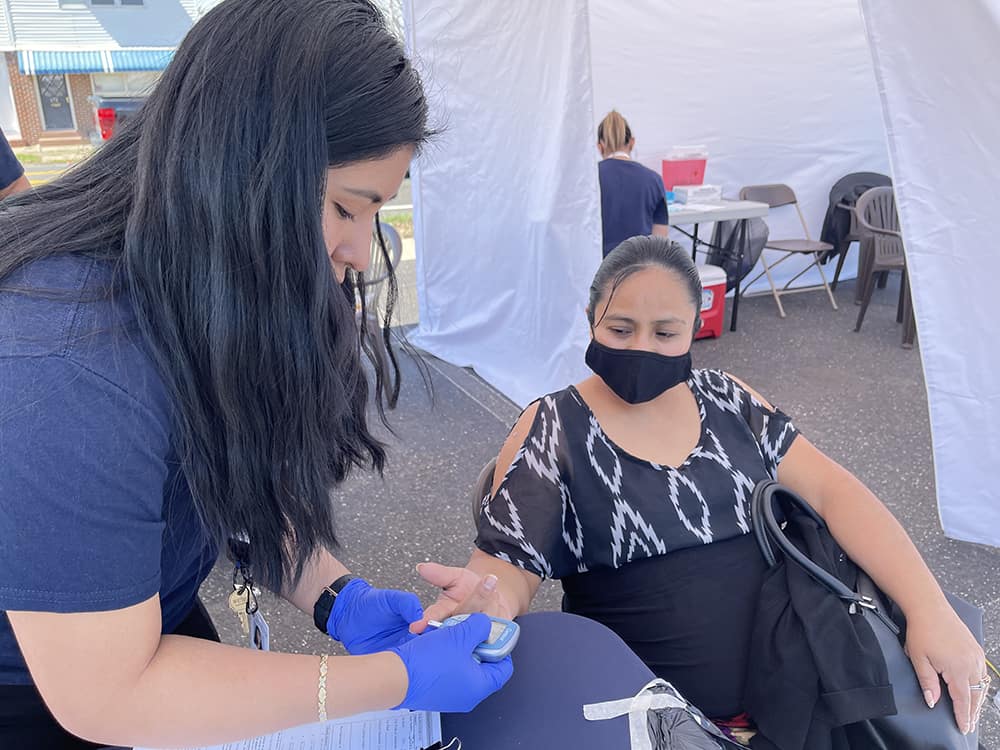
{"points": [[57, 54]]}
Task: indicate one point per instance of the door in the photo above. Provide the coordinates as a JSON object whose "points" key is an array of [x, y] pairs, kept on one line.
{"points": [[53, 92]]}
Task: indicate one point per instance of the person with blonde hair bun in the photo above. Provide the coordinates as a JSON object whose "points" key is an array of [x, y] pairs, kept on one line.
{"points": [[632, 200]]}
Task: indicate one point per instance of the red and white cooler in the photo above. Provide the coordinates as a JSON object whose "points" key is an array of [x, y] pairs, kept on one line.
{"points": [[713, 300]]}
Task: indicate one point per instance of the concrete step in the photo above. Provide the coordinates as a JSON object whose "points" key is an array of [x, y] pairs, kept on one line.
{"points": [[61, 138]]}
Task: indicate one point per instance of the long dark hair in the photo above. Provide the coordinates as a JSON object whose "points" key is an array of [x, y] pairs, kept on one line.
{"points": [[635, 254], [209, 205]]}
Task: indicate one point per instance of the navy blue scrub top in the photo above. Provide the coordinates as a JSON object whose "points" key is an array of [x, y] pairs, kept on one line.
{"points": [[95, 513]]}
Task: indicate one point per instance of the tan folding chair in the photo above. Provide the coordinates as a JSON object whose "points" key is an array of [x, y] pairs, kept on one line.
{"points": [[777, 196]]}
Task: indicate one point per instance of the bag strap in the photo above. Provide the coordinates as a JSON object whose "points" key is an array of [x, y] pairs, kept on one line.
{"points": [[770, 535], [757, 522]]}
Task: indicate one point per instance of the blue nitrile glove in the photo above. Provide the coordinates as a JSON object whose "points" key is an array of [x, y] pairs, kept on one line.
{"points": [[444, 675], [367, 620]]}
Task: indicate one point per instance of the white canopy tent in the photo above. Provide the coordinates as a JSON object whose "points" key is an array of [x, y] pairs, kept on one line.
{"points": [[507, 210], [942, 116], [509, 200]]}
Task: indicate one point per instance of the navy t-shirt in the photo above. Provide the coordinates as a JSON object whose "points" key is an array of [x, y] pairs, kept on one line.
{"points": [[10, 167], [632, 200], [95, 513]]}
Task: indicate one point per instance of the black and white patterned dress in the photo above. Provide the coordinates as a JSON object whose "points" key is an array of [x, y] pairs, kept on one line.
{"points": [[661, 555]]}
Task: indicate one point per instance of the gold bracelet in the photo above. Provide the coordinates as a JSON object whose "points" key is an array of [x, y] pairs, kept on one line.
{"points": [[321, 694]]}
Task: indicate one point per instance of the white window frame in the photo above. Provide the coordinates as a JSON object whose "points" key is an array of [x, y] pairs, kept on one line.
{"points": [[125, 91]]}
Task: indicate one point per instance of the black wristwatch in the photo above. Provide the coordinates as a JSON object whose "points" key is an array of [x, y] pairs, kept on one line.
{"points": [[324, 605]]}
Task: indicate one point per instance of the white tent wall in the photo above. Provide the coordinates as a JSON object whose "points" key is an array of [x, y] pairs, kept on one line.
{"points": [[506, 203], [779, 92], [936, 69], [507, 214], [508, 236]]}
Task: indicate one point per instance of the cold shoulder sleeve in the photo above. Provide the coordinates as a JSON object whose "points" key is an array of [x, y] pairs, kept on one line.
{"points": [[523, 522], [771, 427]]}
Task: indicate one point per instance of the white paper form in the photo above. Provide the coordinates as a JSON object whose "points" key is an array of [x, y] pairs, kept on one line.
{"points": [[380, 730]]}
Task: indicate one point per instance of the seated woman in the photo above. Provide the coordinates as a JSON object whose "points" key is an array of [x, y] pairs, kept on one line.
{"points": [[632, 488], [632, 199]]}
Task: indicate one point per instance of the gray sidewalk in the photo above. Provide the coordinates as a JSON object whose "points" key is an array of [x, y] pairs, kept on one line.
{"points": [[858, 396]]}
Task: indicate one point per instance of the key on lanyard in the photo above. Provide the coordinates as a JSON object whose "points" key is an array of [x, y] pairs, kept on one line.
{"points": [[239, 602], [243, 600]]}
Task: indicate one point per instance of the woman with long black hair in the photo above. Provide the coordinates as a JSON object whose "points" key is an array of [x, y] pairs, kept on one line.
{"points": [[179, 368]]}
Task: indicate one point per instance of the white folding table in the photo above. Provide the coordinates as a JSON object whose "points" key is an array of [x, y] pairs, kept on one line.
{"points": [[704, 213]]}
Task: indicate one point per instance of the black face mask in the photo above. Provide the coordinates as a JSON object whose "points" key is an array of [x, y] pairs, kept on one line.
{"points": [[637, 376]]}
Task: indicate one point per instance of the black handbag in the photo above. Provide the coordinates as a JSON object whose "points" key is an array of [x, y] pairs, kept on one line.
{"points": [[914, 726]]}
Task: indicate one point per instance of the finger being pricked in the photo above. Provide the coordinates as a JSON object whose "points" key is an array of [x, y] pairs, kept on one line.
{"points": [[464, 593], [441, 610]]}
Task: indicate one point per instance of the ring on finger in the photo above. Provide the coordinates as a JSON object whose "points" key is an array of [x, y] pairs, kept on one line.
{"points": [[983, 684]]}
